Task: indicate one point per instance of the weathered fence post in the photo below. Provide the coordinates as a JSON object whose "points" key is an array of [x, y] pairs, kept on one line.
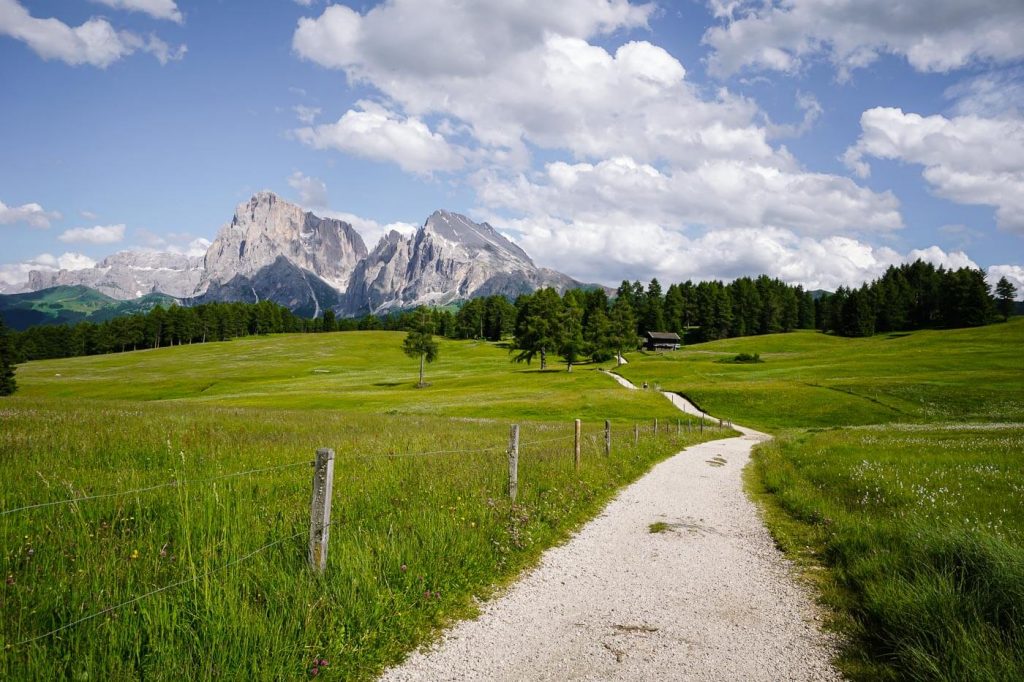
{"points": [[655, 427], [636, 433], [513, 462], [320, 514], [607, 438], [679, 427], [576, 452]]}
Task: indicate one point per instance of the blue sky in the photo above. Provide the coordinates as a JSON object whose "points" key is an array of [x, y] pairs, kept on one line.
{"points": [[818, 142]]}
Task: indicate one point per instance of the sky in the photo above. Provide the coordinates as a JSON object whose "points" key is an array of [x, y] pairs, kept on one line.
{"points": [[815, 141]]}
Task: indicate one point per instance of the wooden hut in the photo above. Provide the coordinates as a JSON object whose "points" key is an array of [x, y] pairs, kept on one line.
{"points": [[663, 341]]}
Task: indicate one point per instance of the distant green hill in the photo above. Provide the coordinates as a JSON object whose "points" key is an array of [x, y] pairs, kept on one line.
{"points": [[68, 305]]}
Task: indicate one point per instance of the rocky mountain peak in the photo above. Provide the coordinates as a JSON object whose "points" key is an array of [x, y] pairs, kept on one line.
{"points": [[267, 227], [474, 237]]}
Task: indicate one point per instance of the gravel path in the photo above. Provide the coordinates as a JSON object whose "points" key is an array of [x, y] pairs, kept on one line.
{"points": [[709, 598]]}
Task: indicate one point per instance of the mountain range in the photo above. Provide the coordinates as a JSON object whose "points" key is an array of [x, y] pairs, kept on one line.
{"points": [[275, 250]]}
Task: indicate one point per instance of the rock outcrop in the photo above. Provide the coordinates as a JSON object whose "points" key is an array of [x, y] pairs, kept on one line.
{"points": [[450, 258], [266, 228]]}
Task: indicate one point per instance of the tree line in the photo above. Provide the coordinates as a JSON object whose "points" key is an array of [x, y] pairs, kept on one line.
{"points": [[915, 296], [576, 326]]}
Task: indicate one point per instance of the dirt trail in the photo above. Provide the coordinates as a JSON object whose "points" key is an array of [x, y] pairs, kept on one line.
{"points": [[709, 597]]}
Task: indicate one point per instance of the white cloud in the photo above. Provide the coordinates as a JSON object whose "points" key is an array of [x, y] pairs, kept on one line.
{"points": [[376, 133], [718, 194], [514, 76], [807, 103], [966, 159], [158, 9], [100, 234], [933, 35], [370, 230], [31, 214], [312, 191], [608, 252], [88, 215], [953, 260], [17, 273], [306, 115], [1014, 273], [94, 42], [992, 95]]}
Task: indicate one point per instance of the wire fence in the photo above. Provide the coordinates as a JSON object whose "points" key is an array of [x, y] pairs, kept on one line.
{"points": [[316, 529]]}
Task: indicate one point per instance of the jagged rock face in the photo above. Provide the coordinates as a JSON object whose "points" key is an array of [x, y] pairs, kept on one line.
{"points": [[266, 228], [450, 258], [129, 274], [282, 282]]}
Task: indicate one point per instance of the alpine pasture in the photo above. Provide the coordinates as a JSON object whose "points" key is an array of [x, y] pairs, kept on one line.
{"points": [[188, 560]]}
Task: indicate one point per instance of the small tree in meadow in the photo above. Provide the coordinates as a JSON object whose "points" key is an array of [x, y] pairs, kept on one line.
{"points": [[419, 342], [7, 383]]}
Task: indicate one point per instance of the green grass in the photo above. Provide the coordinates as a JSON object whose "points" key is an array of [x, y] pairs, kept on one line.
{"points": [[69, 305], [897, 467], [414, 540]]}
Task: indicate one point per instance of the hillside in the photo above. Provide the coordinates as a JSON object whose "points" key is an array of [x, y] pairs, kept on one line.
{"points": [[71, 304], [822, 380]]}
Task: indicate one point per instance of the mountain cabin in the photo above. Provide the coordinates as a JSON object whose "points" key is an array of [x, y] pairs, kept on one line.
{"points": [[663, 341]]}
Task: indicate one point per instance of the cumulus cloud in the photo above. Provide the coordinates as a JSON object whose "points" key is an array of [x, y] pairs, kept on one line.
{"points": [[933, 35], [375, 133], [17, 273], [1014, 273], [94, 42], [158, 9], [966, 159], [512, 77], [31, 214], [312, 191], [100, 234], [719, 194], [370, 230], [610, 251]]}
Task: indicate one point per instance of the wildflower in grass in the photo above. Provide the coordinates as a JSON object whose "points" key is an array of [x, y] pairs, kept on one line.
{"points": [[135, 554]]}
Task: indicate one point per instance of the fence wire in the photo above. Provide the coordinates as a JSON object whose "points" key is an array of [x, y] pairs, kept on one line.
{"points": [[158, 590]]}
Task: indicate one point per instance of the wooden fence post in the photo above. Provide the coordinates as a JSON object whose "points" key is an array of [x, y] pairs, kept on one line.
{"points": [[679, 427], [576, 454], [320, 514], [513, 462], [655, 427], [636, 433], [607, 438]]}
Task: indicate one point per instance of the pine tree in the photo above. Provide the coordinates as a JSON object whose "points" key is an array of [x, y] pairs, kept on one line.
{"points": [[419, 342], [571, 344], [7, 383], [622, 329], [1005, 294], [538, 329]]}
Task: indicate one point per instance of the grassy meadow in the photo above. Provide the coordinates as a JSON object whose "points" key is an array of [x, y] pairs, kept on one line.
{"points": [[898, 468], [421, 524]]}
